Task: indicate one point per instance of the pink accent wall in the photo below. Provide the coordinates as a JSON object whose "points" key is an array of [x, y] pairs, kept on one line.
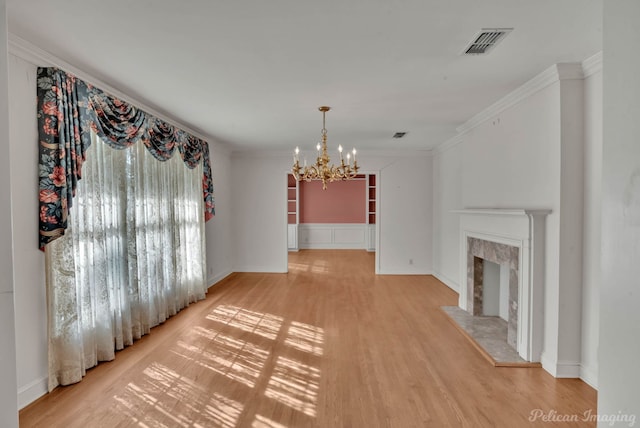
{"points": [[341, 202]]}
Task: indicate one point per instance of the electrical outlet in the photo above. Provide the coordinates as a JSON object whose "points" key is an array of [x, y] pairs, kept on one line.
{"points": [[410, 261]]}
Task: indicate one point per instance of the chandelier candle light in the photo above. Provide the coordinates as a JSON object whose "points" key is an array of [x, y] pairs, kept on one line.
{"points": [[321, 170]]}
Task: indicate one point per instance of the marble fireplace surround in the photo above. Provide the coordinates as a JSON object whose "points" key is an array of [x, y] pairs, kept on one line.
{"points": [[514, 237], [479, 250]]}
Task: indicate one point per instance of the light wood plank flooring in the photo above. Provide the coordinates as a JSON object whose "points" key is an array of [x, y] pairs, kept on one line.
{"points": [[329, 344]]}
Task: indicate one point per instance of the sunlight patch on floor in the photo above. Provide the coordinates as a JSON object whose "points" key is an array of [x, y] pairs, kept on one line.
{"points": [[223, 410], [320, 266], [235, 359], [262, 422], [295, 385], [166, 399], [305, 338], [265, 325], [299, 267]]}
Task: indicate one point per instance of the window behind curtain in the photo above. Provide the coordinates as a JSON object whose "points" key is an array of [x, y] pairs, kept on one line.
{"points": [[133, 255]]}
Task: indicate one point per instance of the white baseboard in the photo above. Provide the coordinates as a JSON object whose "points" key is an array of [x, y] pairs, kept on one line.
{"points": [[32, 391], [447, 281], [589, 375], [258, 269], [548, 364], [404, 272], [560, 369], [213, 280], [305, 246]]}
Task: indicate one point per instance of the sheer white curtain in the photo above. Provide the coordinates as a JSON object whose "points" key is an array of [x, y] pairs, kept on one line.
{"points": [[133, 255]]}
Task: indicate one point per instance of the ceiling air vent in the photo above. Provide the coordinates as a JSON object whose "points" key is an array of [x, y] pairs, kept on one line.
{"points": [[399, 134], [485, 40]]}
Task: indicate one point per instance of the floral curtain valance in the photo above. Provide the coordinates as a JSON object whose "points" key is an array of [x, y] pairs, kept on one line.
{"points": [[68, 110]]}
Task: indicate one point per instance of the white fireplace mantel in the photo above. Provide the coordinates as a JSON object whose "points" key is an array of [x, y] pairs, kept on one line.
{"points": [[503, 211], [522, 228]]}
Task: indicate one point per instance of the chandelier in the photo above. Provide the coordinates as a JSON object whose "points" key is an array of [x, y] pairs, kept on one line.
{"points": [[321, 170]]}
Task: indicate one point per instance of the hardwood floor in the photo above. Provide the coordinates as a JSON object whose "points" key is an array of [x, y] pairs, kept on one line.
{"points": [[329, 344]]}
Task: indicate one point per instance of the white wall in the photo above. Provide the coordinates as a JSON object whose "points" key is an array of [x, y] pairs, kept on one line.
{"points": [[258, 204], [591, 243], [525, 152], [8, 396], [218, 229], [31, 320], [569, 291], [28, 266], [619, 353], [512, 161], [508, 161], [447, 196], [404, 217]]}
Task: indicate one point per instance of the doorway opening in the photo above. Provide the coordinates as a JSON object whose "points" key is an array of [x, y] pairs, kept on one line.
{"points": [[342, 217]]}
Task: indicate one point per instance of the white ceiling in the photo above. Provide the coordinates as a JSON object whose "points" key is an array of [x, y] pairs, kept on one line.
{"points": [[251, 73]]}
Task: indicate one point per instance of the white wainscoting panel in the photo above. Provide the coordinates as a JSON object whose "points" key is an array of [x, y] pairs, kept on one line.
{"points": [[348, 235], [332, 236], [371, 237], [292, 237], [317, 235]]}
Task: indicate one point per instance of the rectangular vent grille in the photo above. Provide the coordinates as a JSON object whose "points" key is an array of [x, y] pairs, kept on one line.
{"points": [[486, 40]]}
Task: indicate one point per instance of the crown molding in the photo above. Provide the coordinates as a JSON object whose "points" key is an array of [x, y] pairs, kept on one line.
{"points": [[30, 52], [39, 57], [503, 211], [362, 154], [570, 71], [449, 144], [548, 77], [397, 153], [592, 65], [261, 153], [553, 74]]}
